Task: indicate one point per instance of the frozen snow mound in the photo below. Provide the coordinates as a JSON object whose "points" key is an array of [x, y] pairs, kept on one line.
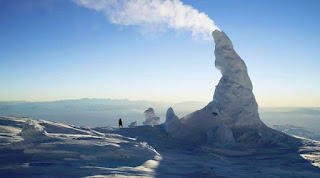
{"points": [[232, 117], [33, 132], [151, 118], [133, 124]]}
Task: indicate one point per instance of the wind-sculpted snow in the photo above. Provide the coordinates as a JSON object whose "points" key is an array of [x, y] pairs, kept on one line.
{"points": [[33, 132], [80, 151], [143, 151], [310, 151], [180, 159]]}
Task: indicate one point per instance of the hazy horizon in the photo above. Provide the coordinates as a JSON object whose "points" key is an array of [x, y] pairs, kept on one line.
{"points": [[105, 112], [176, 102]]}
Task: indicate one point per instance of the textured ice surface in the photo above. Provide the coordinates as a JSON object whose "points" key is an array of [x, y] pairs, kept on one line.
{"points": [[233, 98], [142, 151], [232, 117], [33, 132], [44, 148]]}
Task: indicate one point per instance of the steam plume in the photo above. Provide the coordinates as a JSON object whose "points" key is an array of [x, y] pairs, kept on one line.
{"points": [[168, 14]]}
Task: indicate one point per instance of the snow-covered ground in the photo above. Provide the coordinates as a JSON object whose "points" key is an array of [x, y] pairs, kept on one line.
{"points": [[297, 131], [30, 147]]}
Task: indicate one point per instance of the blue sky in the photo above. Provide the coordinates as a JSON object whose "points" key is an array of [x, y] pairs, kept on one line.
{"points": [[52, 50]]}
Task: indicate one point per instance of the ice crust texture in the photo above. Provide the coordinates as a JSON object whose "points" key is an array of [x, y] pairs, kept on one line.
{"points": [[233, 97]]}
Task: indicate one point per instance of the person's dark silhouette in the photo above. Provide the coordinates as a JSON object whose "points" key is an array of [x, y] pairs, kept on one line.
{"points": [[214, 113], [120, 123]]}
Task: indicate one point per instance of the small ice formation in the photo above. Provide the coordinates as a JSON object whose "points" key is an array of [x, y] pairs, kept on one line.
{"points": [[151, 118], [33, 132], [232, 117], [172, 122], [133, 124]]}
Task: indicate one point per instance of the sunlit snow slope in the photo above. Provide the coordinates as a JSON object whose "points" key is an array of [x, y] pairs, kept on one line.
{"points": [[37, 147], [30, 147]]}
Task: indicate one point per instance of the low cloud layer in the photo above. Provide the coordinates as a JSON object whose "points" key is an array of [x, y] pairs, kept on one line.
{"points": [[158, 14]]}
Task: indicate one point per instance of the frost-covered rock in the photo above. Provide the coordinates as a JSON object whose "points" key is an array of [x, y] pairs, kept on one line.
{"points": [[151, 118], [172, 122], [33, 132], [133, 124]]}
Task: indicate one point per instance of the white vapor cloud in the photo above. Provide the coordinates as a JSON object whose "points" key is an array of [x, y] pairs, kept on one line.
{"points": [[168, 14]]}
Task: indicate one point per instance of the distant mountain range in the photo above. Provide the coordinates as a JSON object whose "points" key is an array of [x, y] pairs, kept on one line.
{"points": [[105, 112], [94, 112]]}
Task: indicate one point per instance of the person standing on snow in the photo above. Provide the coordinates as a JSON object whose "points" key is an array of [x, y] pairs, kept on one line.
{"points": [[120, 123]]}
